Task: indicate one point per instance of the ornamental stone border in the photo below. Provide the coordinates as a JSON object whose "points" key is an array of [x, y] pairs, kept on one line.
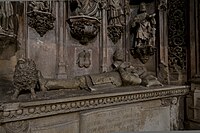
{"points": [[34, 109]]}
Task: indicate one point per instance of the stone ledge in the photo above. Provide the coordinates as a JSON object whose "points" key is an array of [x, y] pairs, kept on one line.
{"points": [[34, 109]]}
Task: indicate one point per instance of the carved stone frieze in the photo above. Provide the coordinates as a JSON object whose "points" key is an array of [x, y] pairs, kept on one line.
{"points": [[143, 29], [27, 110], [40, 16], [83, 28], [84, 59], [177, 35]]}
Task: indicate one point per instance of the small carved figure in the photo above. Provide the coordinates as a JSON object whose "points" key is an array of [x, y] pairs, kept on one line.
{"points": [[144, 25], [25, 77]]}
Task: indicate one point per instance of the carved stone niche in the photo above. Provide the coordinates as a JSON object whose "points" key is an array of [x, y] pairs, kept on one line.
{"points": [[83, 28]]}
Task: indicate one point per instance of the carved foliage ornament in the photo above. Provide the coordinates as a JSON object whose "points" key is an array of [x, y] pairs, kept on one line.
{"points": [[177, 35], [38, 110], [40, 17], [84, 21], [143, 29], [115, 33], [83, 28]]}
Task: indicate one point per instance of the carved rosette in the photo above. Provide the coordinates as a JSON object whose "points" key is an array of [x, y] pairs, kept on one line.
{"points": [[83, 28], [143, 52], [115, 33], [41, 21]]}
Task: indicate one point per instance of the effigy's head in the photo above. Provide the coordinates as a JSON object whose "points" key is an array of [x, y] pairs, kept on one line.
{"points": [[142, 7], [118, 55]]}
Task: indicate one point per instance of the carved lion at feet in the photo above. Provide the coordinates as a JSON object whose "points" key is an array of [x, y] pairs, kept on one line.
{"points": [[25, 77]]}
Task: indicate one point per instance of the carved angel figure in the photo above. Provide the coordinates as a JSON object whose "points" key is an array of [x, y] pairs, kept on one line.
{"points": [[144, 25]]}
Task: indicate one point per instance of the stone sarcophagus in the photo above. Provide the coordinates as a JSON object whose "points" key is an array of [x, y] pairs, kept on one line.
{"points": [[89, 66]]}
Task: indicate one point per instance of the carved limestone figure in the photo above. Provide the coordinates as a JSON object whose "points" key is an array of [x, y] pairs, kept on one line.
{"points": [[124, 74], [144, 25]]}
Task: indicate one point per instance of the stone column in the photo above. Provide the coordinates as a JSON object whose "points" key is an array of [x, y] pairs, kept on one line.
{"points": [[61, 41]]}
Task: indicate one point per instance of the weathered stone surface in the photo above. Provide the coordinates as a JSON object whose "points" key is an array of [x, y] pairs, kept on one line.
{"points": [[126, 118], [66, 123]]}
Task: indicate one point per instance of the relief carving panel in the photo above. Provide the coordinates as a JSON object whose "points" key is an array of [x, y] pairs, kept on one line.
{"points": [[177, 35]]}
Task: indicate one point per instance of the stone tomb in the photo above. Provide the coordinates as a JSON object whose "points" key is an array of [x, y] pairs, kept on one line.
{"points": [[120, 110]]}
